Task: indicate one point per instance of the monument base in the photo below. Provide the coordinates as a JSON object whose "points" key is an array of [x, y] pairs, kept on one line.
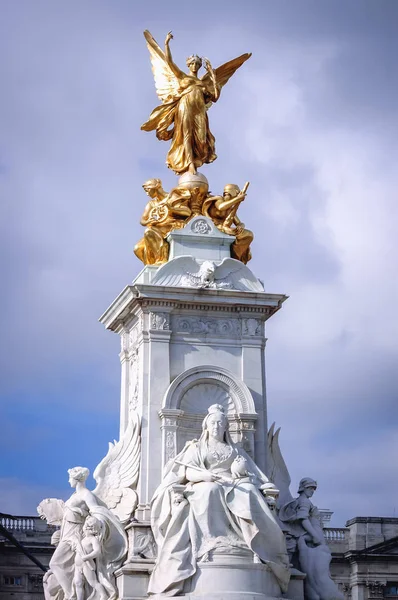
{"points": [[295, 590], [222, 596], [234, 572], [133, 577], [213, 581]]}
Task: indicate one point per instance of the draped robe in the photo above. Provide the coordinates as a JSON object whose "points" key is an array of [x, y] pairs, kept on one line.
{"points": [[192, 140], [114, 542], [212, 516]]}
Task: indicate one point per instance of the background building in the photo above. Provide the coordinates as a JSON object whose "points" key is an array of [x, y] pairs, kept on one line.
{"points": [[365, 557], [20, 577]]}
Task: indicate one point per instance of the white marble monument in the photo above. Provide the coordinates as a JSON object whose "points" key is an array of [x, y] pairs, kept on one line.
{"points": [[193, 335], [186, 502]]}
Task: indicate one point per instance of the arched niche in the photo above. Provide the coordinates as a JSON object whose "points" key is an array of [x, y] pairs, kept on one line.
{"points": [[187, 399]]}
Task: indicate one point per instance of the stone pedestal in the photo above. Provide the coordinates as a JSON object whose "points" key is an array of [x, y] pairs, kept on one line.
{"points": [[296, 586], [132, 579], [200, 238], [236, 574], [141, 542]]}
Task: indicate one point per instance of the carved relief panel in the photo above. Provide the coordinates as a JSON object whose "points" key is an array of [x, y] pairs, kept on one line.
{"points": [[207, 326], [159, 321]]}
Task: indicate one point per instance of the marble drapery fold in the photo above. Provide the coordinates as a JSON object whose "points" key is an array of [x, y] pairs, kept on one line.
{"points": [[212, 516]]}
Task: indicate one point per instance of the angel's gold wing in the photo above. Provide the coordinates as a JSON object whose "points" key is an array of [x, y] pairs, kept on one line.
{"points": [[166, 82], [225, 71]]}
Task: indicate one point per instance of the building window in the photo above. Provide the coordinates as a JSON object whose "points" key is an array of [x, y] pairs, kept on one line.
{"points": [[391, 590], [12, 580]]}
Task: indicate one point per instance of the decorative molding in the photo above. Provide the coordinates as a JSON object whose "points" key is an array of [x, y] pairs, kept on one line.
{"points": [[201, 226], [141, 542], [133, 337], [251, 327], [203, 325], [192, 401], [346, 589], [124, 341], [238, 390], [134, 379], [170, 449], [231, 308], [376, 589], [247, 443], [160, 321]]}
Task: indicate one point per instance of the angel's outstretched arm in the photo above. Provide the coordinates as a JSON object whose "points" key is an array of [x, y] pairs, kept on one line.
{"points": [[224, 204], [169, 58]]}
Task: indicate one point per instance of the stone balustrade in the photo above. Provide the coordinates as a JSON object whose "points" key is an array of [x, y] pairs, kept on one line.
{"points": [[336, 534], [24, 524], [337, 538]]}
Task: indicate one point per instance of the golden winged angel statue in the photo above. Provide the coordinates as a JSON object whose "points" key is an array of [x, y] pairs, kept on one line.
{"points": [[182, 116]]}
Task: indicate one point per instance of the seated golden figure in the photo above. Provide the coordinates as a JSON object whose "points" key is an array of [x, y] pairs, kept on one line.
{"points": [[222, 210], [163, 213]]}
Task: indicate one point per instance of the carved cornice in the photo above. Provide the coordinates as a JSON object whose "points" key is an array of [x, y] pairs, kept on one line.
{"points": [[137, 298]]}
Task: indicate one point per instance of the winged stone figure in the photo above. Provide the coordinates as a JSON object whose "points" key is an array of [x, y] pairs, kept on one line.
{"points": [[301, 523], [117, 473], [186, 271], [277, 469], [182, 116], [106, 509]]}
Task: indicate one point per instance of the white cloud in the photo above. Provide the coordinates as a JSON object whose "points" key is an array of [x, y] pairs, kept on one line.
{"points": [[334, 338]]}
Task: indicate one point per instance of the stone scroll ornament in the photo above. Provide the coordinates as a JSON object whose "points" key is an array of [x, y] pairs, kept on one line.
{"points": [[92, 542], [301, 523]]}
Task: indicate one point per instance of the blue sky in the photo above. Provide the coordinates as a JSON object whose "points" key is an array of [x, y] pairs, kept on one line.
{"points": [[310, 120]]}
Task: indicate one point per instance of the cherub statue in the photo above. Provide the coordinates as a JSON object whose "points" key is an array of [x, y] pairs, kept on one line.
{"points": [[111, 503], [182, 116], [301, 523], [88, 571], [163, 213], [222, 210]]}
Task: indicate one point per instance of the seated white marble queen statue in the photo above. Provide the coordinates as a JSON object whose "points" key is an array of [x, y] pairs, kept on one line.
{"points": [[221, 509]]}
